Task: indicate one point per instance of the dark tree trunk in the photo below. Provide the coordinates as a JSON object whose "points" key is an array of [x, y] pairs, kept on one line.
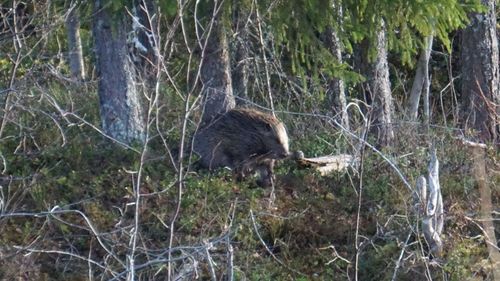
{"points": [[480, 109], [240, 58], [215, 72], [75, 45], [120, 107], [380, 89]]}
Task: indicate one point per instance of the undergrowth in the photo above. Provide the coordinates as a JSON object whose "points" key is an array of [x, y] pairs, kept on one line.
{"points": [[308, 232]]}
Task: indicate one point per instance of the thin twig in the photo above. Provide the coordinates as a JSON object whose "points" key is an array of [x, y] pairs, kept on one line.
{"points": [[398, 262]]}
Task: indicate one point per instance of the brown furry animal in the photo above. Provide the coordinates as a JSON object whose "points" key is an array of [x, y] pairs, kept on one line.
{"points": [[245, 140]]}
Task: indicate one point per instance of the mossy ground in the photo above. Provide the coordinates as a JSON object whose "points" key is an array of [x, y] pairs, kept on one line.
{"points": [[308, 232]]}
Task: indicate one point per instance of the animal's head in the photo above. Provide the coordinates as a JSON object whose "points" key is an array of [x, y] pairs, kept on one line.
{"points": [[267, 129], [276, 139]]}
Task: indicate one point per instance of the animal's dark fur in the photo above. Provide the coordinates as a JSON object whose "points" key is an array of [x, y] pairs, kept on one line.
{"points": [[245, 140]]}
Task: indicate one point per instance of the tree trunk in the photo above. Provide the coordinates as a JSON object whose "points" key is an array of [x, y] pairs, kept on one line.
{"points": [[336, 89], [421, 76], [75, 45], [120, 107], [215, 72], [239, 69], [480, 75], [380, 87], [486, 208]]}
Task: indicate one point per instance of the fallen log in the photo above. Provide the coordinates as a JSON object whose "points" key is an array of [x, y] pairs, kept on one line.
{"points": [[325, 164]]}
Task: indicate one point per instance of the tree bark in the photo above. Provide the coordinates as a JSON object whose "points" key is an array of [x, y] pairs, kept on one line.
{"points": [[75, 45], [145, 40], [215, 72], [120, 107], [419, 82], [486, 208], [480, 109], [380, 87], [336, 89], [239, 69]]}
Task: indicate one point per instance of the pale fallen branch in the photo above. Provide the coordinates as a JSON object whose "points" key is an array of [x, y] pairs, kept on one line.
{"points": [[326, 164], [336, 255], [471, 143]]}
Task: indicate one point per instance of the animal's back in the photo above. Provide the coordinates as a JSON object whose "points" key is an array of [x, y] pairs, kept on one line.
{"points": [[240, 139]]}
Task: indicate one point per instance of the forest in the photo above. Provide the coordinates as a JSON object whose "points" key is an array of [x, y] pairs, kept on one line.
{"points": [[249, 140]]}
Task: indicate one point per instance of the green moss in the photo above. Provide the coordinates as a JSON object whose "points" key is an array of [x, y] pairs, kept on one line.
{"points": [[466, 259], [374, 264]]}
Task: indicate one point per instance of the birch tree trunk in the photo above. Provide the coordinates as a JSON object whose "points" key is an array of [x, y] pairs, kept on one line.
{"points": [[419, 82], [120, 107], [480, 75], [336, 88], [380, 87], [75, 45], [215, 71]]}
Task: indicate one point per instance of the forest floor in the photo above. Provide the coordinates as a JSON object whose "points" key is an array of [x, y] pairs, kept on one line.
{"points": [[68, 213]]}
